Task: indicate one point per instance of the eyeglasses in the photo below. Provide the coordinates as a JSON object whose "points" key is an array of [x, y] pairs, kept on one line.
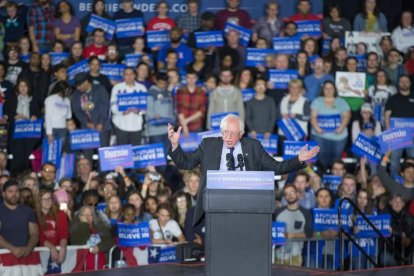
{"points": [[290, 193], [230, 133], [49, 171], [47, 199]]}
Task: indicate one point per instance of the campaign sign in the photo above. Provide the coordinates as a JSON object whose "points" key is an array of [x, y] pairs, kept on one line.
{"points": [[79, 67], [395, 138], [281, 78], [136, 100], [160, 121], [130, 27], [291, 129], [325, 219], [402, 123], [189, 143], [28, 129], [350, 84], [309, 27], [329, 123], [215, 119], [234, 180], [1, 109], [150, 154], [256, 57], [362, 62], [84, 139], [368, 147], [114, 72], [111, 157], [107, 25], [158, 38], [66, 166], [248, 94], [162, 254], [269, 144], [100, 207], [56, 58], [278, 233], [209, 39], [286, 45], [206, 134], [331, 182], [244, 33], [291, 149], [52, 152], [132, 60], [381, 222], [134, 235]]}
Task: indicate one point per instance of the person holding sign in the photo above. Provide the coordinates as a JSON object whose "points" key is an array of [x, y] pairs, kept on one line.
{"points": [[164, 230]]}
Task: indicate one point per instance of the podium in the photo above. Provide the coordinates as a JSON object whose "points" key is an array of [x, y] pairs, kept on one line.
{"points": [[239, 207]]}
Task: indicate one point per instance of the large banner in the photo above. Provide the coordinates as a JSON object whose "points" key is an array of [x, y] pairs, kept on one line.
{"points": [[325, 219], [395, 138], [381, 222], [370, 40]]}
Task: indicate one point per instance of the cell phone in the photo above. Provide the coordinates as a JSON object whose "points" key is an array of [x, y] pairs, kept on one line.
{"points": [[63, 206]]}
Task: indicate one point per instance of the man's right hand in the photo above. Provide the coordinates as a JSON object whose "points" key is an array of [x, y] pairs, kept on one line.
{"points": [[18, 252], [174, 136]]}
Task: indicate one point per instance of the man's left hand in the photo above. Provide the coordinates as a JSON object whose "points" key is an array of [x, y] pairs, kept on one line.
{"points": [[305, 154]]}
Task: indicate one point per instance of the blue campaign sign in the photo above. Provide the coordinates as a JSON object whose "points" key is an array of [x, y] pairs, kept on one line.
{"points": [[158, 38], [79, 67], [329, 123], [101, 206], [137, 100], [97, 22], [291, 129], [325, 219], [381, 222], [244, 33], [248, 180], [205, 134], [286, 45], [402, 123], [111, 157], [368, 147], [150, 154], [164, 254], [84, 139], [331, 182], [114, 72], [209, 39], [362, 62], [133, 235], [395, 138], [52, 152], [309, 27], [248, 94], [131, 60], [291, 148], [281, 78], [56, 58], [67, 163], [270, 144], [190, 142], [256, 57], [215, 119], [28, 129], [1, 110], [160, 121], [278, 233], [130, 27]]}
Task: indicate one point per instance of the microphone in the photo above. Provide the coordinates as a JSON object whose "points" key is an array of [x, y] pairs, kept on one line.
{"points": [[240, 160], [230, 162]]}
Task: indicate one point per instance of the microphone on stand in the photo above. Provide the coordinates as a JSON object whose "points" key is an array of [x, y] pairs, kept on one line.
{"points": [[230, 162], [240, 160]]}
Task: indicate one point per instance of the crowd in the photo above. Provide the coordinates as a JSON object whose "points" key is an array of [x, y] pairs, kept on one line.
{"points": [[186, 85]]}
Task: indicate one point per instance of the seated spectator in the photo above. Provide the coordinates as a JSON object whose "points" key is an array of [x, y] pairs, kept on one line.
{"points": [[370, 19], [97, 47], [164, 229], [161, 21], [269, 26], [335, 24], [67, 25], [402, 35], [233, 14], [135, 199], [314, 81]]}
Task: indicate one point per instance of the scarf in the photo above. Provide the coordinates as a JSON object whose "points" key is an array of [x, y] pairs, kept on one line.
{"points": [[371, 24], [23, 105]]}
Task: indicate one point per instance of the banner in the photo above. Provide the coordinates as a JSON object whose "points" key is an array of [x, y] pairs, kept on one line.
{"points": [[281, 78], [52, 152], [165, 254], [205, 134], [370, 40], [215, 119], [157, 38], [291, 149], [395, 138], [66, 167], [114, 72], [329, 123], [189, 143], [248, 94], [234, 180], [310, 28], [56, 58], [137, 100], [149, 155], [270, 144], [28, 129], [131, 27], [209, 39], [84, 139], [325, 219], [291, 129], [256, 57], [350, 84], [331, 182], [79, 67], [244, 33], [381, 222], [97, 22], [111, 157], [278, 233], [134, 235], [286, 45], [368, 147]]}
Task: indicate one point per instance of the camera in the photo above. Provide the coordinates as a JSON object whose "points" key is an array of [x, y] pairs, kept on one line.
{"points": [[154, 176]]}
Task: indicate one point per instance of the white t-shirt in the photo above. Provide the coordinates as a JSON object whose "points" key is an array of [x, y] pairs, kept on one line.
{"points": [[57, 110], [170, 230]]}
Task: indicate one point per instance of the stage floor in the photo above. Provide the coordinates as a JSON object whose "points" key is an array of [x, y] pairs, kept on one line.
{"points": [[197, 269]]}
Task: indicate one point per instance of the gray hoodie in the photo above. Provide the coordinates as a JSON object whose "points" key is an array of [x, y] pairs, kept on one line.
{"points": [[159, 105]]}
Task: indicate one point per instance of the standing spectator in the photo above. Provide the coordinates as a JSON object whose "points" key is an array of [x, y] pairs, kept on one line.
{"points": [[191, 20], [207, 24], [233, 14], [394, 69], [304, 12], [59, 74], [403, 36], [372, 60], [144, 77], [96, 76], [269, 26], [128, 124], [201, 65], [161, 21], [98, 8], [14, 22], [6, 86], [41, 20], [47, 177], [76, 54], [313, 82], [98, 47], [370, 19], [335, 24], [14, 65], [306, 195], [67, 25], [233, 49]]}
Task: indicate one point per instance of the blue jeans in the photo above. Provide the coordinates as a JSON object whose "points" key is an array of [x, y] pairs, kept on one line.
{"points": [[330, 150], [396, 157]]}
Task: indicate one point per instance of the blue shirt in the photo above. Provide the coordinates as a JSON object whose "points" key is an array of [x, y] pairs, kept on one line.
{"points": [[313, 85], [185, 55]]}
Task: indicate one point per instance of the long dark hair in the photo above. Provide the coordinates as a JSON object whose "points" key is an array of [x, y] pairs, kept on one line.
{"points": [[364, 11], [63, 88], [104, 13], [25, 80], [59, 13]]}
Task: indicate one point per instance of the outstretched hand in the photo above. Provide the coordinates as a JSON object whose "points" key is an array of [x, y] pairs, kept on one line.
{"points": [[174, 136], [305, 154]]}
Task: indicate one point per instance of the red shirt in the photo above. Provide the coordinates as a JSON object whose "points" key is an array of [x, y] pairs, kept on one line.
{"points": [[92, 50], [189, 103], [159, 24], [55, 230], [240, 17], [300, 17]]}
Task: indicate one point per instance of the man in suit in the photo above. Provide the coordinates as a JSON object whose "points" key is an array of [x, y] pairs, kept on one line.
{"points": [[213, 154]]}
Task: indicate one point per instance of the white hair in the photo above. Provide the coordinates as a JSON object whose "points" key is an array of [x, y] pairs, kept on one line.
{"points": [[228, 117]]}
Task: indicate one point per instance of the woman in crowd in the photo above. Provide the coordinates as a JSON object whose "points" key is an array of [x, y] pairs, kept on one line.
{"points": [[370, 19], [244, 79], [335, 24], [67, 26], [164, 229], [144, 76], [200, 65], [76, 54], [181, 203], [135, 199], [310, 47], [366, 124], [45, 64], [161, 21], [403, 35], [30, 183], [151, 204], [114, 209], [98, 9], [302, 64], [152, 185]]}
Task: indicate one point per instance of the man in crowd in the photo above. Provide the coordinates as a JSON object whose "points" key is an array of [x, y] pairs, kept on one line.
{"points": [[306, 196], [190, 20], [98, 47], [48, 176], [233, 14], [314, 81], [41, 17]]}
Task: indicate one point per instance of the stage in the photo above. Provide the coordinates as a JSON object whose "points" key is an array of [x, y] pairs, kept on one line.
{"points": [[197, 269]]}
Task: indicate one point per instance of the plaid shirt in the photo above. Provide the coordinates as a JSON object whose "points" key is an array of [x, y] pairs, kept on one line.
{"points": [[189, 103], [189, 23], [41, 18]]}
